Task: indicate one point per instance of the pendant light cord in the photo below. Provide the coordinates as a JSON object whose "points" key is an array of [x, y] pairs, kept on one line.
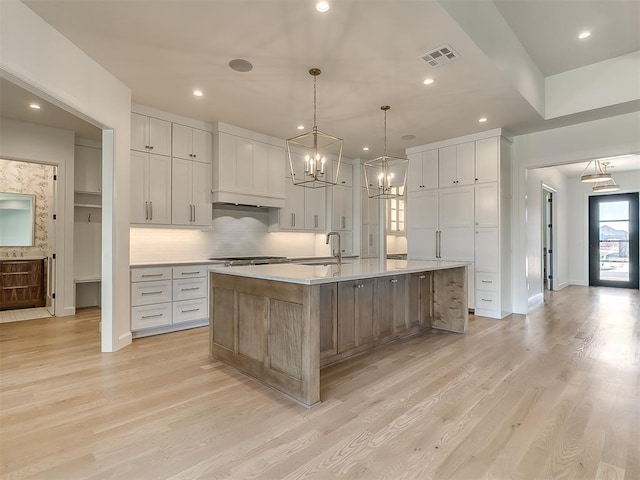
{"points": [[385, 133], [315, 123]]}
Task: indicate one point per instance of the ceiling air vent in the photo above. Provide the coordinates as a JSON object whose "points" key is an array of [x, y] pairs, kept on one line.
{"points": [[440, 55]]}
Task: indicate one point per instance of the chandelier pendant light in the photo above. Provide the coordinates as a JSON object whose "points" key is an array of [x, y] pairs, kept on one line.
{"points": [[597, 174], [315, 156], [386, 176], [608, 185]]}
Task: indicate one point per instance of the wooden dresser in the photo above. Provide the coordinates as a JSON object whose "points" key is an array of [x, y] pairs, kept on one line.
{"points": [[21, 283]]}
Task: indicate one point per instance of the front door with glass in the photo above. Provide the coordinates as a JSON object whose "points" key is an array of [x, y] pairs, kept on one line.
{"points": [[613, 240]]}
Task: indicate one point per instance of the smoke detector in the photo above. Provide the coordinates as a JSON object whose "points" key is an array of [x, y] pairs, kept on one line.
{"points": [[440, 56]]}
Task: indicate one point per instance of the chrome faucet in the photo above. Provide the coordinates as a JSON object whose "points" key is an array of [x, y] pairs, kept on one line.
{"points": [[338, 253]]}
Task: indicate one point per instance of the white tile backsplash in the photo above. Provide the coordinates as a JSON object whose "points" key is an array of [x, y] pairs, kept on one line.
{"points": [[235, 232]]}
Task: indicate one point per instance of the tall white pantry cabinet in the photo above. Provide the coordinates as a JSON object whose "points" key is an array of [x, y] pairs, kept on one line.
{"points": [[459, 207]]}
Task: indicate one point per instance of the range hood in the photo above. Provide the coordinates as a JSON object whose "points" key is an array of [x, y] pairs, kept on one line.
{"points": [[248, 168]]}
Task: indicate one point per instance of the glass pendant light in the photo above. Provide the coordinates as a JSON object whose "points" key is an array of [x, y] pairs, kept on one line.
{"points": [[386, 176], [608, 185], [597, 174], [314, 157]]}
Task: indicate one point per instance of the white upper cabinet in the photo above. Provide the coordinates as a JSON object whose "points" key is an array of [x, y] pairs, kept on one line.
{"points": [[150, 188], [190, 193], [487, 160], [191, 143], [248, 171], [150, 135], [315, 208], [423, 171], [345, 175], [292, 215], [486, 203], [87, 175], [456, 165]]}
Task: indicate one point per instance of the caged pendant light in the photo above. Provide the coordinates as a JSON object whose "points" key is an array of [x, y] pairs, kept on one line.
{"points": [[386, 176], [312, 154]]}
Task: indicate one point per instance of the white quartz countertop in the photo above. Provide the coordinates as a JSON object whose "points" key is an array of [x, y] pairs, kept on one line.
{"points": [[169, 263], [349, 270]]}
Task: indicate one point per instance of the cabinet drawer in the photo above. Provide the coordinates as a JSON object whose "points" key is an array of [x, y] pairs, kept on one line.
{"points": [[189, 310], [487, 281], [147, 293], [149, 316], [189, 271], [486, 300], [149, 274], [189, 288]]}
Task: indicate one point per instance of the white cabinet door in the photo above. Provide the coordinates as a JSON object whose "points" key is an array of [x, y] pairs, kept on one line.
{"points": [[291, 217], [201, 201], [345, 175], [202, 145], [486, 205], [414, 177], [181, 141], [369, 241], [422, 225], [342, 218], [430, 169], [487, 250], [139, 199], [465, 164], [456, 207], [87, 175], [447, 166], [297, 160], [150, 135], [487, 160], [456, 243], [456, 165], [260, 168], [139, 132], [159, 137], [181, 191], [315, 208], [159, 189]]}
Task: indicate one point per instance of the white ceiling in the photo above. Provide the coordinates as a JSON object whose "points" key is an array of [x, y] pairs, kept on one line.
{"points": [[368, 51]]}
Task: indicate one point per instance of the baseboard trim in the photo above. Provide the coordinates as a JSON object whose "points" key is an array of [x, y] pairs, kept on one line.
{"points": [[536, 300]]}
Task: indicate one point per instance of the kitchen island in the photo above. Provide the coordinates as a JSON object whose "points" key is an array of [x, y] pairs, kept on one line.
{"points": [[282, 323]]}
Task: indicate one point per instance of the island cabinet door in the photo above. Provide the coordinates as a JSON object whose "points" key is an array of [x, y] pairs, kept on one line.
{"points": [[328, 320], [355, 314], [391, 311], [420, 303]]}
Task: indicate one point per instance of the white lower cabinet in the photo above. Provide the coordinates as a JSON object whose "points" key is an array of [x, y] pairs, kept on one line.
{"points": [[168, 298]]}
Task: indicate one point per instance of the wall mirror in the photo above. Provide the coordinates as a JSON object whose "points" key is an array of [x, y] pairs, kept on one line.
{"points": [[17, 219]]}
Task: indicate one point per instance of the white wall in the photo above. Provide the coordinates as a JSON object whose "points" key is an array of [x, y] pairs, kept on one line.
{"points": [[578, 241], [52, 146], [558, 183], [37, 57], [597, 139]]}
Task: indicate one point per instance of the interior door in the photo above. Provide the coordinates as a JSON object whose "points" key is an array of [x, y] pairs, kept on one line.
{"points": [[613, 240]]}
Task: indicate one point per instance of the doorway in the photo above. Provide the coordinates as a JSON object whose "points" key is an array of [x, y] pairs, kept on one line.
{"points": [[547, 238], [613, 240]]}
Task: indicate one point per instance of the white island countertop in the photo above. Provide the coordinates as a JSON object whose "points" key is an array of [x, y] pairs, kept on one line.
{"points": [[351, 269]]}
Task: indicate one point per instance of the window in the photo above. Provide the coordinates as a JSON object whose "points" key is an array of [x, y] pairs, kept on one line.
{"points": [[395, 214]]}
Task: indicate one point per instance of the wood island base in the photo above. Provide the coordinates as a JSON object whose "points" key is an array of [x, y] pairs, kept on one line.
{"points": [[283, 333]]}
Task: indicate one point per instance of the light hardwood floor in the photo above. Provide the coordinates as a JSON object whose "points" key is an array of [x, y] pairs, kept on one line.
{"points": [[554, 394]]}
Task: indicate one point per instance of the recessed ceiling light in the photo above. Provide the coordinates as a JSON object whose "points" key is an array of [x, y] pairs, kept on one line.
{"points": [[35, 106], [322, 6], [482, 120], [366, 149], [300, 127], [240, 65], [428, 81], [583, 35], [197, 93], [408, 137]]}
